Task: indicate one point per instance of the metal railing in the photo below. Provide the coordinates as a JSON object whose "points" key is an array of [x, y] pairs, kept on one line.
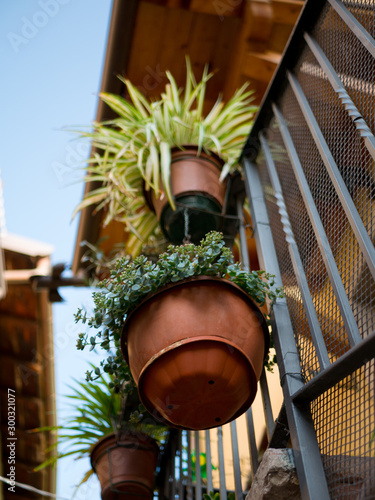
{"points": [[310, 176], [199, 462], [309, 166]]}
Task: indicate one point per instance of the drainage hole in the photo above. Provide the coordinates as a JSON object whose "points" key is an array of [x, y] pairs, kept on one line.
{"points": [[211, 382], [217, 419]]}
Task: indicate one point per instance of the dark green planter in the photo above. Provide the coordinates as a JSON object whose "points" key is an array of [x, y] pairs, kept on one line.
{"points": [[195, 216]]}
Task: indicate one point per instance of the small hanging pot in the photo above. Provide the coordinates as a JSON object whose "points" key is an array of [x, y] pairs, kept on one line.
{"points": [[198, 192], [196, 350], [125, 465]]}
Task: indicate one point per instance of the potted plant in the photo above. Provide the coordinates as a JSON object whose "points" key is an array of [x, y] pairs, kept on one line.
{"points": [[192, 335], [166, 161], [120, 440]]}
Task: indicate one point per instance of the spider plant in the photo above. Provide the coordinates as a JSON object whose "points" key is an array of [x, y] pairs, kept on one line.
{"points": [[132, 152]]}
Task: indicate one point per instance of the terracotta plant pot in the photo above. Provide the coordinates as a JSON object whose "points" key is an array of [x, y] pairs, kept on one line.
{"points": [[125, 465], [195, 185], [196, 350]]}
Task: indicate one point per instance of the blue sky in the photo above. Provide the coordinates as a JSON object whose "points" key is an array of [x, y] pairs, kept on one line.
{"points": [[52, 58]]}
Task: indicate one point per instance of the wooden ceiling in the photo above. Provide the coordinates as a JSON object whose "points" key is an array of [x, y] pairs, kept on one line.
{"points": [[240, 40]]}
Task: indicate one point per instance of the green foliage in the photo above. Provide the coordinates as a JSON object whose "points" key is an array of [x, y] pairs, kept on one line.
{"points": [[97, 411], [202, 463], [216, 496], [133, 150], [131, 281]]}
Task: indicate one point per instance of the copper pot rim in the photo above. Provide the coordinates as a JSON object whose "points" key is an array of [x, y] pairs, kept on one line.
{"points": [[222, 340], [148, 198], [206, 155], [188, 282], [151, 444], [189, 340]]}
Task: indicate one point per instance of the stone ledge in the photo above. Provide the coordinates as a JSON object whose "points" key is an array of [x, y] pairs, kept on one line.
{"points": [[276, 477]]}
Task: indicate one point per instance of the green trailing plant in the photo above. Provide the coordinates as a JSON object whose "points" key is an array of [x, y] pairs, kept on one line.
{"points": [[132, 152], [99, 265], [203, 465], [216, 496], [96, 411], [132, 280]]}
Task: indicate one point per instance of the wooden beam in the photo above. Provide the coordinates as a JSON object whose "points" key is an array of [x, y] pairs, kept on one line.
{"points": [[255, 31], [169, 3], [220, 8], [286, 11], [268, 55], [260, 66]]}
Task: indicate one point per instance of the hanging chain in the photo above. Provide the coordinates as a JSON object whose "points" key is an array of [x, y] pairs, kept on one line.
{"points": [[187, 236]]}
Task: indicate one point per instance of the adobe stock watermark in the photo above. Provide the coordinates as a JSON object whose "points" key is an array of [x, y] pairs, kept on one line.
{"points": [[152, 79], [76, 155], [225, 7], [11, 440], [31, 26]]}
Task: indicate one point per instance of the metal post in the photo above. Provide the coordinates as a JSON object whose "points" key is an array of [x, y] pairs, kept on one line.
{"points": [[189, 482], [254, 464], [223, 487], [236, 461], [181, 491], [267, 408], [210, 486], [198, 480]]}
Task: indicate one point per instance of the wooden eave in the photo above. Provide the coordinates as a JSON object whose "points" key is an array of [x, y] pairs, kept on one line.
{"points": [[240, 40]]}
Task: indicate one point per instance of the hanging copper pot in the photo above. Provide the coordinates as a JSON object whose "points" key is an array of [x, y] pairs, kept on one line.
{"points": [[198, 192], [196, 350], [125, 465]]}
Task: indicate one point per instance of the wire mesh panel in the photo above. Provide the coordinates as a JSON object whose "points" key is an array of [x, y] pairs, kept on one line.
{"points": [[363, 10], [303, 234], [345, 425], [318, 123]]}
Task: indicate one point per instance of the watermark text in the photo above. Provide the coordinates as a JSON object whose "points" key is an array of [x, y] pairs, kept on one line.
{"points": [[11, 439]]}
